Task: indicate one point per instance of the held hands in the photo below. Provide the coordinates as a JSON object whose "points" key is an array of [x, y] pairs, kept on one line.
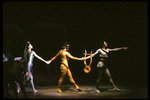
{"points": [[83, 58], [47, 62]]}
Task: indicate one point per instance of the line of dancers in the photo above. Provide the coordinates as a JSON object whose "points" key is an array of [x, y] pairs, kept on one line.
{"points": [[102, 68]]}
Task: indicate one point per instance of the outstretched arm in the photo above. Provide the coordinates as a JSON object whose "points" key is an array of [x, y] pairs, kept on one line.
{"points": [[116, 49], [54, 57], [39, 57], [74, 58], [93, 54]]}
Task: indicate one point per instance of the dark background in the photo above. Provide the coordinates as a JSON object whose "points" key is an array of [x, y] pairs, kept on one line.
{"points": [[47, 25]]}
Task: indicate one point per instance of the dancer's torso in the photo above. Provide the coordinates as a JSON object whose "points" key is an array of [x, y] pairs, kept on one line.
{"points": [[103, 54], [103, 58], [64, 58], [31, 57]]}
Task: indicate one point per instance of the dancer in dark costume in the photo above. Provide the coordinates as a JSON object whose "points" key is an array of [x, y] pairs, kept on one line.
{"points": [[13, 71], [102, 66], [64, 68]]}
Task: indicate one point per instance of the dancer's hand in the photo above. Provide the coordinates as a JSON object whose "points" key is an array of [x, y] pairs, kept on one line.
{"points": [[125, 48], [83, 58], [48, 62]]}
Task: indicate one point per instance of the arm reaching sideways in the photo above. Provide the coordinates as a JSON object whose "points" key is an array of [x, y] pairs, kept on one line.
{"points": [[93, 54], [74, 58], [66, 54], [39, 57], [48, 62], [55, 57], [116, 49]]}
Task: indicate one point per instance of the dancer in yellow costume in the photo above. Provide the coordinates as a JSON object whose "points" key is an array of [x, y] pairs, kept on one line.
{"points": [[64, 68]]}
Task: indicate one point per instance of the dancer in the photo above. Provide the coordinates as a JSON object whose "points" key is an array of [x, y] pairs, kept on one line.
{"points": [[64, 68], [14, 72], [29, 54], [102, 66]]}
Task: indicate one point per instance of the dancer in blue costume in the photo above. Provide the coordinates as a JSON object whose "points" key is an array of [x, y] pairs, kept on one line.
{"points": [[29, 55]]}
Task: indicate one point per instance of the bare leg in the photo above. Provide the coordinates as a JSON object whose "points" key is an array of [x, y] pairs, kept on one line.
{"points": [[63, 70], [100, 72], [31, 81], [72, 80], [111, 80]]}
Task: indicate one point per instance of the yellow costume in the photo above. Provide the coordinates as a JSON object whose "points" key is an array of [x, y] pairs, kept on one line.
{"points": [[64, 67]]}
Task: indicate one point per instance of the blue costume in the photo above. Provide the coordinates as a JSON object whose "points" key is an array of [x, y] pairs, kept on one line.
{"points": [[29, 69], [29, 66]]}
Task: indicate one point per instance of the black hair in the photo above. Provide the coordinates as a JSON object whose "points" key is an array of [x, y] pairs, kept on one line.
{"points": [[66, 44], [25, 50], [102, 42]]}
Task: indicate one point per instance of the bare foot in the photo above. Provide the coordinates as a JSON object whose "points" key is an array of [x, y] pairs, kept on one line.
{"points": [[59, 90]]}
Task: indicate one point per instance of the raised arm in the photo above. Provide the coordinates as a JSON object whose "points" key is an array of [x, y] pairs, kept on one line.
{"points": [[38, 57]]}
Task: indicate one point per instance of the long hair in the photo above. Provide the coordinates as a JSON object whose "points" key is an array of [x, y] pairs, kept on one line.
{"points": [[26, 50]]}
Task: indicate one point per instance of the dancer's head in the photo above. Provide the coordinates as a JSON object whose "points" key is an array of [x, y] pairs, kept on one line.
{"points": [[66, 46], [104, 43], [29, 45]]}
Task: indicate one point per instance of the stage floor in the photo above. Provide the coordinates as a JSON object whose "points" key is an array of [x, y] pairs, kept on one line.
{"points": [[88, 92]]}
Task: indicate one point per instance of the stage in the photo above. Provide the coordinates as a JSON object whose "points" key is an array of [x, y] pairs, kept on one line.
{"points": [[88, 92]]}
